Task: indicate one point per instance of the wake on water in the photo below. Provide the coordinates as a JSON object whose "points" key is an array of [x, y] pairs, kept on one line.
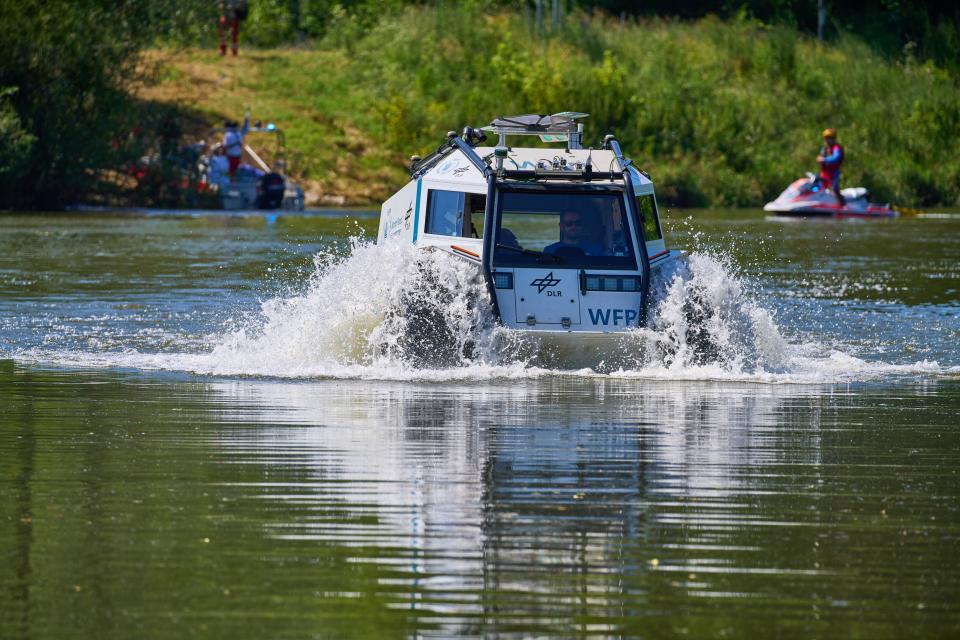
{"points": [[394, 312]]}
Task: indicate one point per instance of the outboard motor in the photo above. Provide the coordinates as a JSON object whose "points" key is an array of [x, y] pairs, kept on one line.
{"points": [[270, 191]]}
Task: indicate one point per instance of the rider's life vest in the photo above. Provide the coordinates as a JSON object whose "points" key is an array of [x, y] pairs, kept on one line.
{"points": [[829, 171]]}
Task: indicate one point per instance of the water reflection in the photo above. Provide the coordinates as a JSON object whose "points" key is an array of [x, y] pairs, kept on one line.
{"points": [[567, 505], [170, 505], [546, 500]]}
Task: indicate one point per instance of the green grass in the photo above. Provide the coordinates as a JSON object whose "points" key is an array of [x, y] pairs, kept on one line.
{"points": [[719, 113]]}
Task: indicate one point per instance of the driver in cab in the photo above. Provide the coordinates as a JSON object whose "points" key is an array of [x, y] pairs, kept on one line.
{"points": [[574, 240]]}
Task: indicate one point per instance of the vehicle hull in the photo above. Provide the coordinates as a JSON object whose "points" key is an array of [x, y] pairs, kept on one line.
{"points": [[242, 195], [595, 350], [836, 211]]}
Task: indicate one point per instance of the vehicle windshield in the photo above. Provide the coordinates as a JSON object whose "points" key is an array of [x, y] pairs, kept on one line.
{"points": [[586, 229]]}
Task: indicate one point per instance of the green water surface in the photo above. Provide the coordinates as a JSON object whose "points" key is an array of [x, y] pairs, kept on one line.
{"points": [[157, 503]]}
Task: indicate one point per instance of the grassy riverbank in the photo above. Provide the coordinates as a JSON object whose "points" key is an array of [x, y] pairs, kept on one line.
{"points": [[720, 113]]}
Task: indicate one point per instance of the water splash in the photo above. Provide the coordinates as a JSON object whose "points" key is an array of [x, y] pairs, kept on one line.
{"points": [[702, 314], [398, 313], [393, 312], [354, 313]]}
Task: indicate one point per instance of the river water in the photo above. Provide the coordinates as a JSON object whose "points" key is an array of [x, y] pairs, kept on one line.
{"points": [[206, 431]]}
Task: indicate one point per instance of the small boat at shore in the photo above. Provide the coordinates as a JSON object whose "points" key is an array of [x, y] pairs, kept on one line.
{"points": [[809, 197], [256, 184], [567, 240]]}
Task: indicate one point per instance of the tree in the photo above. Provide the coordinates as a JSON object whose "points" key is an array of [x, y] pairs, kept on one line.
{"points": [[69, 66]]}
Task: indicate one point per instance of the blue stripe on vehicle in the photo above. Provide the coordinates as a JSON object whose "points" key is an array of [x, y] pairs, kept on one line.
{"points": [[416, 212]]}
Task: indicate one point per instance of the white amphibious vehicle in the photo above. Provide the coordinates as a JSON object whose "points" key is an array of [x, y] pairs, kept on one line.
{"points": [[566, 238]]}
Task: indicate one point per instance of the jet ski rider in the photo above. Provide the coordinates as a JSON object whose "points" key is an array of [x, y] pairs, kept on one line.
{"points": [[830, 159]]}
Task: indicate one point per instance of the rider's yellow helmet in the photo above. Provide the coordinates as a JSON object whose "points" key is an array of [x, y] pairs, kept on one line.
{"points": [[830, 133]]}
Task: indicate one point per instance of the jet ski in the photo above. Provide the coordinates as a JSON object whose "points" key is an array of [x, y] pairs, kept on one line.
{"points": [[810, 197]]}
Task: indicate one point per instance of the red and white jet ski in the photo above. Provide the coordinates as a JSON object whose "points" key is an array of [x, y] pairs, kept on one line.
{"points": [[808, 197]]}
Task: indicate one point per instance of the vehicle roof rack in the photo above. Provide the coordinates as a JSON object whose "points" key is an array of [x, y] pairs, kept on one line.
{"points": [[559, 127]]}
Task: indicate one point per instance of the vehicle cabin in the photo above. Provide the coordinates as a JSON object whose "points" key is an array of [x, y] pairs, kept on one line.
{"points": [[569, 249]]}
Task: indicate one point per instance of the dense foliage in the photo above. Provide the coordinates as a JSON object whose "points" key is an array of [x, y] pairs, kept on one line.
{"points": [[65, 103], [926, 29], [721, 112], [929, 29], [724, 110], [15, 144]]}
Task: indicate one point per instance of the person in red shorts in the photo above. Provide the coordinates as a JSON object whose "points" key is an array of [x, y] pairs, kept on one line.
{"points": [[233, 143], [232, 13]]}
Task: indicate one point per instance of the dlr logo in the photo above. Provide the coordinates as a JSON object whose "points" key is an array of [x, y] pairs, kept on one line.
{"points": [[554, 294]]}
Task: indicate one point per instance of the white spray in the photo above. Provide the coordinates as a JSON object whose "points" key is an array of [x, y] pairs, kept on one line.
{"points": [[702, 316], [381, 307], [388, 306], [399, 313]]}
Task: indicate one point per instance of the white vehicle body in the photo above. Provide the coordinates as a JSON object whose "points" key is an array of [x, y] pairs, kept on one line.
{"points": [[539, 287]]}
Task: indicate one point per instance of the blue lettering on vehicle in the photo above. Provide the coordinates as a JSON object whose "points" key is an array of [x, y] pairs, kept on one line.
{"points": [[599, 316], [620, 317]]}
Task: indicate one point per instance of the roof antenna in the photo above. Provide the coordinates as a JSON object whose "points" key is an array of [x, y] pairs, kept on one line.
{"points": [[575, 139]]}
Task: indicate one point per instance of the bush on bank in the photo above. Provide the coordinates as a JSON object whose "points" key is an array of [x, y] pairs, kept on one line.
{"points": [[66, 109], [721, 113]]}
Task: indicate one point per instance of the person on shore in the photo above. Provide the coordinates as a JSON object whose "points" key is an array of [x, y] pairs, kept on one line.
{"points": [[831, 159], [232, 13], [219, 165], [233, 143], [573, 238]]}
